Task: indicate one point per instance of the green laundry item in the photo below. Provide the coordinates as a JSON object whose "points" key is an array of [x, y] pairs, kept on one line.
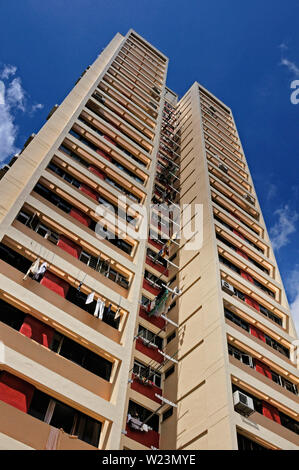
{"points": [[159, 305]]}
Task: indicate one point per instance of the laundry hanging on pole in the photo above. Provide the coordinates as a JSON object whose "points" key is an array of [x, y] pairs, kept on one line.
{"points": [[40, 272], [33, 268], [160, 303], [150, 305], [99, 310], [117, 313], [90, 298]]}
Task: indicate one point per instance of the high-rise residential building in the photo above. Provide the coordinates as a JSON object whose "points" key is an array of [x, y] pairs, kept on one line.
{"points": [[179, 338]]}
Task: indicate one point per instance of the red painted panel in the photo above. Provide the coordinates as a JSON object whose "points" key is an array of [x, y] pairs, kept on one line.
{"points": [[252, 303], [97, 172], [151, 352], [146, 390], [69, 246], [257, 333], [35, 329], [246, 276], [235, 215], [55, 284], [112, 141], [155, 243], [147, 285], [157, 321], [262, 368], [89, 191], [241, 253], [271, 412], [77, 214], [148, 439], [239, 234], [104, 154], [15, 392], [156, 266]]}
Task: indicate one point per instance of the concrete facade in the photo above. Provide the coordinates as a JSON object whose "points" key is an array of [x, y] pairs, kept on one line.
{"points": [[122, 132]]}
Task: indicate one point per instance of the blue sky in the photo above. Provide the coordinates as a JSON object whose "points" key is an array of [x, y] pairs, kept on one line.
{"points": [[246, 53]]}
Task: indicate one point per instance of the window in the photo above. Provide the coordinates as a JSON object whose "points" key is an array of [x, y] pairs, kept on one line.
{"points": [[233, 247], [59, 415], [142, 414], [270, 315], [171, 337], [47, 233], [261, 407], [244, 443], [82, 356], [167, 413], [169, 371], [238, 271], [63, 174], [242, 357], [10, 315], [289, 386], [150, 336], [145, 371], [235, 319], [155, 258], [275, 345], [96, 227], [23, 217], [8, 255], [153, 279]]}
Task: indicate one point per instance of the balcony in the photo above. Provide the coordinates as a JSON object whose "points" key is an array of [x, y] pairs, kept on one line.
{"points": [[263, 422], [146, 388], [149, 287], [157, 321], [59, 302], [258, 341], [149, 350], [33, 432], [69, 258], [155, 265], [157, 244], [148, 439], [35, 352]]}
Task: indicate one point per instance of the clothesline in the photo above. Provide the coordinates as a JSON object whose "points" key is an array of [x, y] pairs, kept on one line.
{"points": [[38, 270]]}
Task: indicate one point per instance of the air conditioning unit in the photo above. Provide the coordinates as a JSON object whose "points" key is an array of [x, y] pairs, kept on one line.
{"points": [[227, 287], [223, 167], [243, 404]]}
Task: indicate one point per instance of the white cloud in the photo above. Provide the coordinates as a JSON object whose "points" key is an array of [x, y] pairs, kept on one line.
{"points": [[13, 98], [293, 290], [2, 93], [8, 71], [284, 227], [283, 46], [8, 132], [291, 66], [15, 94], [35, 107]]}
